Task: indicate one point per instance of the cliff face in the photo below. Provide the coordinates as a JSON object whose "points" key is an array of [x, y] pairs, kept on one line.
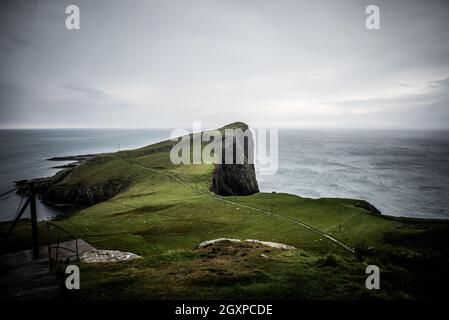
{"points": [[65, 187], [83, 195], [235, 179], [51, 191], [96, 178]]}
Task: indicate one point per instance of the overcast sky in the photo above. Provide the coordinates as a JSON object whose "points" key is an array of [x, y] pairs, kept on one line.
{"points": [[268, 63]]}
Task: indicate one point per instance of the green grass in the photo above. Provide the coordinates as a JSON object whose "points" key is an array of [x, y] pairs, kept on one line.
{"points": [[163, 221]]}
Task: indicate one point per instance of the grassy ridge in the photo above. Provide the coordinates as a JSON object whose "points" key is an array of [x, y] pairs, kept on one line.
{"points": [[163, 221]]}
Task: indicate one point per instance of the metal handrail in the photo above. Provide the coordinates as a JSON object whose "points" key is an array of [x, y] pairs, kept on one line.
{"points": [[60, 228], [58, 241]]}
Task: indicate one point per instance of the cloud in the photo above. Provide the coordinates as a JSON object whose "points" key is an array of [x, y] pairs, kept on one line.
{"points": [[19, 6], [271, 63], [84, 90], [434, 92], [440, 84], [425, 108], [21, 41]]}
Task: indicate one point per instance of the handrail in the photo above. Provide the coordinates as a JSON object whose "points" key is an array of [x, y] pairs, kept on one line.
{"points": [[58, 241], [60, 228]]}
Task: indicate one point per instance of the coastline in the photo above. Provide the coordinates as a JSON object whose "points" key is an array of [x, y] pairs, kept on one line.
{"points": [[166, 211]]}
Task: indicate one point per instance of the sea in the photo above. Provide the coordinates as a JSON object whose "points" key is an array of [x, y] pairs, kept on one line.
{"points": [[401, 172]]}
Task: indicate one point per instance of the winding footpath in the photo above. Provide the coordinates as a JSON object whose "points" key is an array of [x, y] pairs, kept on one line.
{"points": [[218, 198]]}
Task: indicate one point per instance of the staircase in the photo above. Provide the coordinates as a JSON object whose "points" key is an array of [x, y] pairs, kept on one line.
{"points": [[23, 278], [30, 280]]}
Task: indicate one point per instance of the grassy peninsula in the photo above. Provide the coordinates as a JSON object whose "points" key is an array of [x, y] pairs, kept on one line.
{"points": [[139, 205]]}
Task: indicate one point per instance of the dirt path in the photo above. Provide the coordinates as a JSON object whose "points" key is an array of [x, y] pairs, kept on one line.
{"points": [[218, 198]]}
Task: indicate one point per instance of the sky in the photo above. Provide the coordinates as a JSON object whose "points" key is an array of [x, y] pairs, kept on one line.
{"points": [[153, 64]]}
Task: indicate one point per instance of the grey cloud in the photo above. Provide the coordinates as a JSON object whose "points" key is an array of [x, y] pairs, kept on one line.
{"points": [[21, 41], [14, 102], [260, 61], [84, 89], [438, 92], [422, 109], [441, 83], [19, 6]]}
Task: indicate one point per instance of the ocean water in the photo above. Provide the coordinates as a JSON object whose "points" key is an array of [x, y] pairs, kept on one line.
{"points": [[402, 173], [24, 153]]}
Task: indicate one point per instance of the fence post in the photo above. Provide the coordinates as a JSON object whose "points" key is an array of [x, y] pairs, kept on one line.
{"points": [[34, 230]]}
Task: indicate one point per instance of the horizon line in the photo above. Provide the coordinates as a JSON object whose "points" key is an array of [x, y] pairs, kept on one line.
{"points": [[207, 128]]}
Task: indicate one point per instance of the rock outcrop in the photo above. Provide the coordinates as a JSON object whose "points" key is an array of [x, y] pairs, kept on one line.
{"points": [[276, 245], [90, 179], [368, 207], [61, 190], [84, 194], [106, 256], [236, 178]]}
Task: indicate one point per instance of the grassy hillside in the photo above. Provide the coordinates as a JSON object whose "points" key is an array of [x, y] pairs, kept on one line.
{"points": [[163, 220]]}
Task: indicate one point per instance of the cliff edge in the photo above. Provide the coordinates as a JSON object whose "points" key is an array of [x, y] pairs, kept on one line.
{"points": [[96, 178], [235, 179]]}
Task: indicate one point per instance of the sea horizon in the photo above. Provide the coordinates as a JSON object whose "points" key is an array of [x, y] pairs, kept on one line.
{"points": [[313, 163]]}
